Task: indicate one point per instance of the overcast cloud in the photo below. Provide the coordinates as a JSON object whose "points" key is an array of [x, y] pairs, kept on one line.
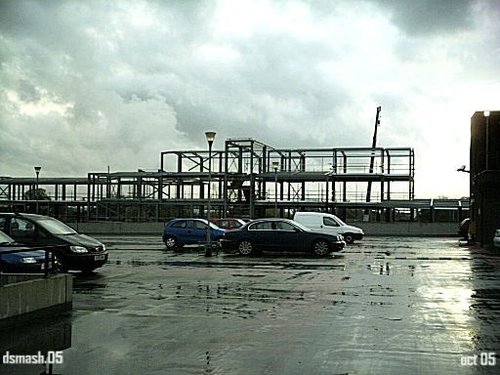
{"points": [[90, 84]]}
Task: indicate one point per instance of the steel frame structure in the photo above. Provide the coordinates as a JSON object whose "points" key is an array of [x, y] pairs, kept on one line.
{"points": [[243, 182]]}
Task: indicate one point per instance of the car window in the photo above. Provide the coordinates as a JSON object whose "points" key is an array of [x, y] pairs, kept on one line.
{"points": [[5, 238], [265, 225], [55, 226], [200, 225], [20, 228], [330, 222], [281, 225], [180, 224], [236, 224]]}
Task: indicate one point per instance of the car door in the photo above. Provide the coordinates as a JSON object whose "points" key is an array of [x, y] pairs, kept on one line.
{"points": [[179, 229], [288, 238], [23, 231], [331, 226], [30, 233], [263, 235], [199, 231]]}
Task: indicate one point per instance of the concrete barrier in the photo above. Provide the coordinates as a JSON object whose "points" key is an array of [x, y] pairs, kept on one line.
{"points": [[409, 229], [54, 293], [118, 228], [370, 229]]}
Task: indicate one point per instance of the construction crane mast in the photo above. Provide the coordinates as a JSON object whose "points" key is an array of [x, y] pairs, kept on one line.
{"points": [[372, 159]]}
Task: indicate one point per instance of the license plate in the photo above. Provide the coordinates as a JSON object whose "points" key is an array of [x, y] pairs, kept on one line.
{"points": [[99, 257]]}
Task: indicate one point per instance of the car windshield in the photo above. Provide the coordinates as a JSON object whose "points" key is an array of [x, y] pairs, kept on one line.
{"points": [[213, 226], [341, 222], [304, 228], [56, 227], [4, 238]]}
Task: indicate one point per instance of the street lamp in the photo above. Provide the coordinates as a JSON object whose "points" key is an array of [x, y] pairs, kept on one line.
{"points": [[487, 150], [210, 139], [37, 171], [328, 175], [276, 165]]}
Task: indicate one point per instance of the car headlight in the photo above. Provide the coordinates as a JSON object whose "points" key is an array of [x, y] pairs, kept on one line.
{"points": [[30, 260], [78, 249]]}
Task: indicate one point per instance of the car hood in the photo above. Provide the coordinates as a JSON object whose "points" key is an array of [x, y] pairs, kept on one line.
{"points": [[79, 240], [321, 234], [350, 228], [26, 253]]}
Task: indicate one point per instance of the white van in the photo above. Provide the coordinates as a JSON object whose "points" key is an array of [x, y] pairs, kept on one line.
{"points": [[328, 223]]}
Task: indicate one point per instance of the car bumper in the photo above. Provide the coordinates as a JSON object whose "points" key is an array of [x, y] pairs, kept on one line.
{"points": [[338, 246], [89, 261]]}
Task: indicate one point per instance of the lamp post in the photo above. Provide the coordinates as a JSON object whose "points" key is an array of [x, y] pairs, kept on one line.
{"points": [[487, 148], [276, 165], [37, 171], [210, 139], [328, 175]]}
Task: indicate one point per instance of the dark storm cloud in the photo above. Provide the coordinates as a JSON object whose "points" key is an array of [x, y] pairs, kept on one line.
{"points": [[96, 83], [426, 17]]}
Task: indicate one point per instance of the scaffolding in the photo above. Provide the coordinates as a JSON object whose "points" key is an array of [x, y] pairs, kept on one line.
{"points": [[248, 179]]}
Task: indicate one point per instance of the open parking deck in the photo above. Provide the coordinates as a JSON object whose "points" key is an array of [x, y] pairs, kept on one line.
{"points": [[383, 306]]}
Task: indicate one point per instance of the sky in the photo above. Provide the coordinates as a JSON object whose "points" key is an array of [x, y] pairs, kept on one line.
{"points": [[89, 84]]}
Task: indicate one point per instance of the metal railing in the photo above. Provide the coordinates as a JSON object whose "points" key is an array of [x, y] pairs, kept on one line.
{"points": [[50, 260]]}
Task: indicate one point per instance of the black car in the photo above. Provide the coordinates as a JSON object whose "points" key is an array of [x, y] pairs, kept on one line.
{"points": [[73, 250], [280, 235]]}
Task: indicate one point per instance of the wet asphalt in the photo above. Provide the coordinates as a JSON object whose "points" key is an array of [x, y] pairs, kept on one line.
{"points": [[382, 306]]}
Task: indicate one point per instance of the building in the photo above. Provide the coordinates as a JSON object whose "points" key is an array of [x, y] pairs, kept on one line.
{"points": [[485, 175], [247, 179]]}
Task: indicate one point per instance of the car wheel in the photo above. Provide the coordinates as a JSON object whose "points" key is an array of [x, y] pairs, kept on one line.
{"points": [[245, 247], [171, 242], [321, 247], [349, 238]]}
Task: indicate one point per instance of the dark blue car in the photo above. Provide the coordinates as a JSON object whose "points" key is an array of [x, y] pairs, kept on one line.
{"points": [[179, 232], [280, 235], [20, 261]]}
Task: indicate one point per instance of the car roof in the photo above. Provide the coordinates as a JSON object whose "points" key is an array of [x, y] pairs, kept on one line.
{"points": [[25, 215], [271, 219], [203, 220]]}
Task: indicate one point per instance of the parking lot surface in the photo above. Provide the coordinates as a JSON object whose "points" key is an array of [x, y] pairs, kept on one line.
{"points": [[382, 306]]}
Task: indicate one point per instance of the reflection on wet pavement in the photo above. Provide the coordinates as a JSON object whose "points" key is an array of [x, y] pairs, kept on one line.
{"points": [[385, 305]]}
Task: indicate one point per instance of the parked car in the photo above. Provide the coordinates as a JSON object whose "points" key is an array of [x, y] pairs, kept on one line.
{"points": [[23, 260], [280, 235], [74, 251], [328, 223], [180, 232], [496, 238], [229, 223]]}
